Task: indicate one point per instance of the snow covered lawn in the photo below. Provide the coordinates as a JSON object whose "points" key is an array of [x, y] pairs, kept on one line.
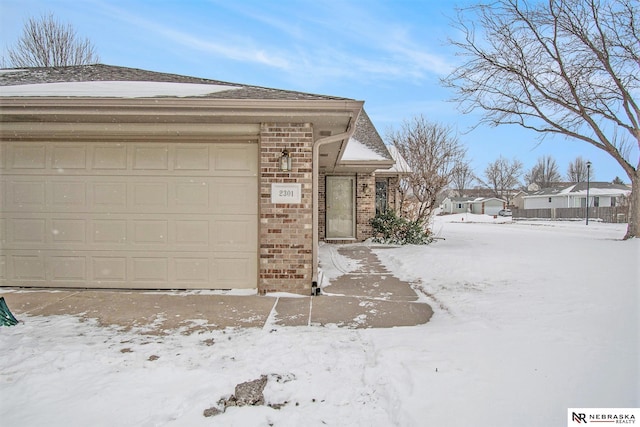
{"points": [[530, 319]]}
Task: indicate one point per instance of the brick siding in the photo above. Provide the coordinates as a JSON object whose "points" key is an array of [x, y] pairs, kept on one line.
{"points": [[286, 229], [365, 204]]}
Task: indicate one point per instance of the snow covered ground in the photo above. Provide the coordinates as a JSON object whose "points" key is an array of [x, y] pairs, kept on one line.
{"points": [[530, 319]]}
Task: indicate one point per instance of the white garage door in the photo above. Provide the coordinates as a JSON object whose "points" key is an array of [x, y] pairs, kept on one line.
{"points": [[129, 215], [492, 209]]}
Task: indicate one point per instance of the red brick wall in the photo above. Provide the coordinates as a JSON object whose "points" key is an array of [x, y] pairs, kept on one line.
{"points": [[365, 204], [286, 229]]}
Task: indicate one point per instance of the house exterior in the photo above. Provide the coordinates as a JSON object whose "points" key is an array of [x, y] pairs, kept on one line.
{"points": [[477, 205], [602, 194], [114, 177], [517, 201]]}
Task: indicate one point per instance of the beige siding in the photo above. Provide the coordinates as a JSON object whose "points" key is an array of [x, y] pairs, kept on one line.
{"points": [[129, 215]]}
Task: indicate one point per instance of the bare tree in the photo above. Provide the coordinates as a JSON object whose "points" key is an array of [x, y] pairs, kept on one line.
{"points": [[46, 42], [432, 152], [558, 67], [544, 173], [462, 177], [503, 176], [577, 171]]}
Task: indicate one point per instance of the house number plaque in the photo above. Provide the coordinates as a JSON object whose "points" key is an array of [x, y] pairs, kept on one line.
{"points": [[286, 193]]}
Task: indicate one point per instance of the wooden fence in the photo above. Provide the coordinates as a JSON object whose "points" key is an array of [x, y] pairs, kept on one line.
{"points": [[605, 214]]}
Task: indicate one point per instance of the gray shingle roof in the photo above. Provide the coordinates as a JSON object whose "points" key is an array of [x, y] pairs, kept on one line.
{"points": [[101, 72], [366, 133]]}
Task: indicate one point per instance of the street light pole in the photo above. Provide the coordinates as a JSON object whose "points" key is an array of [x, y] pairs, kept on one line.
{"points": [[588, 171]]}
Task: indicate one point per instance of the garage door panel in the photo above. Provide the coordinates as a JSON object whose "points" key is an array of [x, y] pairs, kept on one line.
{"points": [[160, 270], [71, 231], [234, 195], [27, 195], [192, 195], [192, 270], [234, 233], [108, 269], [234, 271], [109, 157], [67, 268], [29, 267], [28, 156], [140, 215], [108, 196], [192, 158], [234, 160], [69, 157], [28, 231], [192, 232], [149, 269], [68, 195], [148, 157]]}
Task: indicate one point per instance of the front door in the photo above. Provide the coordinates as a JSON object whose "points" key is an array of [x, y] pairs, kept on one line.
{"points": [[340, 212]]}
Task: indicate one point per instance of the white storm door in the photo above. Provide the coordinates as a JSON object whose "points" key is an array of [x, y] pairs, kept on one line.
{"points": [[340, 214]]}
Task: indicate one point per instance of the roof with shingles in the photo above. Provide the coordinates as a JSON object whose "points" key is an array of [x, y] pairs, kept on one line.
{"points": [[104, 73], [366, 133]]}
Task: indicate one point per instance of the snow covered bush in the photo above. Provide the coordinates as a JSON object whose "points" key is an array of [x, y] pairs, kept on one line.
{"points": [[391, 229]]}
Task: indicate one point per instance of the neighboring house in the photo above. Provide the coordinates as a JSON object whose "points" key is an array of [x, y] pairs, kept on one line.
{"points": [[477, 205], [601, 194], [114, 177], [517, 201]]}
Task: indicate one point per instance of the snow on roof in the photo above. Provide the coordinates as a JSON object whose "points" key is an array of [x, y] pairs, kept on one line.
{"points": [[400, 165], [580, 188], [114, 89], [358, 151]]}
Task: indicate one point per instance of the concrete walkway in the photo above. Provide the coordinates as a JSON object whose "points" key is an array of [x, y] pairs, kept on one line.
{"points": [[369, 297]]}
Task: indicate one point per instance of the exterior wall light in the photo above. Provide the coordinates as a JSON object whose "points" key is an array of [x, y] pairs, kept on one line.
{"points": [[365, 188], [285, 161]]}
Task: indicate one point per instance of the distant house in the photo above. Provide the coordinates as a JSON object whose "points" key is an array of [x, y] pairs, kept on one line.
{"points": [[476, 205], [602, 194], [517, 201], [114, 177]]}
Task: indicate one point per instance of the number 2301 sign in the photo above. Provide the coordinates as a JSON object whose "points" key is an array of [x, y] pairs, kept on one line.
{"points": [[286, 193]]}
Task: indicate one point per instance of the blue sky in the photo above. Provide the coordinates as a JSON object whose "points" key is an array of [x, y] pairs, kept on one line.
{"points": [[391, 54]]}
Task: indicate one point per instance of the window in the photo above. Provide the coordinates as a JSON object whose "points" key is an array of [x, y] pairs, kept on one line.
{"points": [[459, 205], [613, 202], [596, 201], [549, 199], [381, 196]]}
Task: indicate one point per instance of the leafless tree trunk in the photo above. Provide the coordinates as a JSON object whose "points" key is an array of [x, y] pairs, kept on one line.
{"points": [[46, 42], [577, 171], [558, 67], [462, 178], [502, 176], [433, 153], [544, 173]]}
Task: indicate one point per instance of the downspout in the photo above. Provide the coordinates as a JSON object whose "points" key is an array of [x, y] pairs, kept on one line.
{"points": [[314, 214]]}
